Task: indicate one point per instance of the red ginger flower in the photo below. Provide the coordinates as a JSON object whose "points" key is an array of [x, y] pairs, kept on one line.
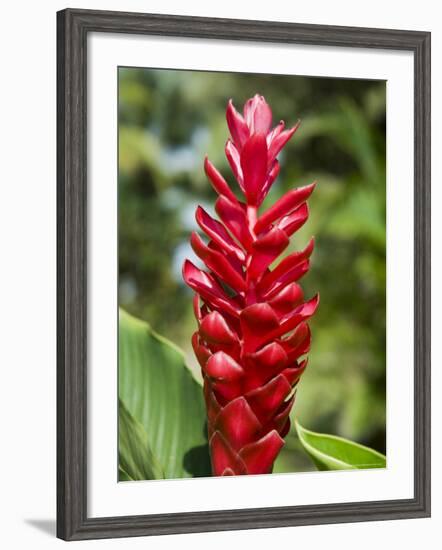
{"points": [[252, 326]]}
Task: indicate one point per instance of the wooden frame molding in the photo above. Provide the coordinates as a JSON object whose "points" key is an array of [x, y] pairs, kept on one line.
{"points": [[73, 27]]}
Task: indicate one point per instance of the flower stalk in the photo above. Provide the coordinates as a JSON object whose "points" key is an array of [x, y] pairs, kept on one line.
{"points": [[252, 317]]}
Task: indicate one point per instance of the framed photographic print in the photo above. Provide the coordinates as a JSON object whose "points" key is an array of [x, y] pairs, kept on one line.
{"points": [[243, 274]]}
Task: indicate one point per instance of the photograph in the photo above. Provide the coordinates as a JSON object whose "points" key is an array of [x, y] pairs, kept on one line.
{"points": [[251, 274]]}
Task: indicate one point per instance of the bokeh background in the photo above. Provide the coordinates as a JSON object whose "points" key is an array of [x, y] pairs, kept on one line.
{"points": [[168, 121]]}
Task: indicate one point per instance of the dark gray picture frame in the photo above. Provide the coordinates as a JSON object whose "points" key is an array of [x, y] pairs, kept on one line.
{"points": [[73, 27]]}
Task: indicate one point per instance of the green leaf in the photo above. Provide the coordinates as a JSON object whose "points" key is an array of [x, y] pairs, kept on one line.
{"points": [[159, 391], [135, 455], [122, 475], [330, 452]]}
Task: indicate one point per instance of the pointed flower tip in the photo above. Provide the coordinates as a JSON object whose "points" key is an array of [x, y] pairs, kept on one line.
{"points": [[206, 165], [315, 301], [196, 242], [238, 127], [199, 212], [258, 98], [230, 110], [293, 129], [310, 246], [187, 265], [257, 114], [310, 187]]}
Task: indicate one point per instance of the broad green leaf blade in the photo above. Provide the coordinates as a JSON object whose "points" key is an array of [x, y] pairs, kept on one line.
{"points": [[135, 455], [330, 452], [122, 475], [159, 391]]}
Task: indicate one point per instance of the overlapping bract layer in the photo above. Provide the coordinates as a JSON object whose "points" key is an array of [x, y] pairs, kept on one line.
{"points": [[252, 329]]}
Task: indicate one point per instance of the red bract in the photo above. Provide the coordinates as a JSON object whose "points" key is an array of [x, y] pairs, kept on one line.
{"points": [[252, 329]]}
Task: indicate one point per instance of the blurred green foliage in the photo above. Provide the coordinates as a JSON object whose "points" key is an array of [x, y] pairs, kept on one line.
{"points": [[168, 121]]}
